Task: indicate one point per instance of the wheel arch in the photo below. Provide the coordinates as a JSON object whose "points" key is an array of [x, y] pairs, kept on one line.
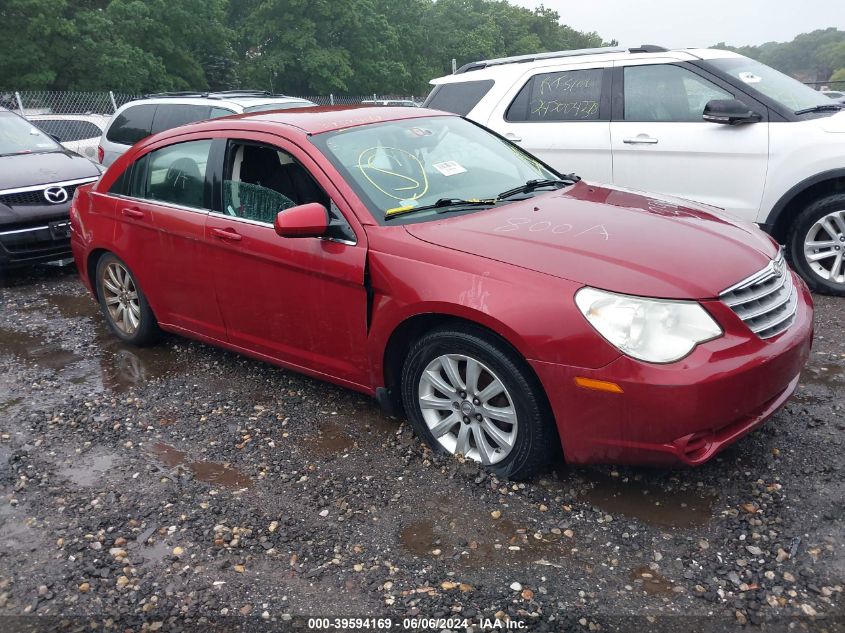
{"points": [[91, 268], [799, 196], [414, 327]]}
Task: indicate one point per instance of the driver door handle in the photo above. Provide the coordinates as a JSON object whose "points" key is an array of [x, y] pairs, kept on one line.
{"points": [[136, 214], [640, 139], [513, 137], [223, 234]]}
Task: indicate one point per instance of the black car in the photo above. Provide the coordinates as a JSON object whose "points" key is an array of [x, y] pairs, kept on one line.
{"points": [[37, 180]]}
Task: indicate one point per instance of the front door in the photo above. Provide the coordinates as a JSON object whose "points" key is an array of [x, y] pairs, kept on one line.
{"points": [[301, 301], [662, 145]]}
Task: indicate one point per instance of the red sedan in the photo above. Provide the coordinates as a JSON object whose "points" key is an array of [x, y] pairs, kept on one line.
{"points": [[417, 257]]}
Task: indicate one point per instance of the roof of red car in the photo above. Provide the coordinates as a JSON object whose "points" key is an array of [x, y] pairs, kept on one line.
{"points": [[327, 118]]}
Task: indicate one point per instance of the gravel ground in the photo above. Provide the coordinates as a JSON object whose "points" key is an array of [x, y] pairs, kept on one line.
{"points": [[187, 488]]}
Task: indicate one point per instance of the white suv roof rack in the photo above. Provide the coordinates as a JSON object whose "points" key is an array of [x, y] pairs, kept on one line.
{"points": [[522, 59]]}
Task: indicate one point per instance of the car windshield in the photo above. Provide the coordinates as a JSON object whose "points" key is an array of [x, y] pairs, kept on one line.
{"points": [[19, 136], [400, 165], [771, 83]]}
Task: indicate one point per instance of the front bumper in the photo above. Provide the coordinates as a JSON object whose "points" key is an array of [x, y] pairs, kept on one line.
{"points": [[34, 242], [683, 412]]}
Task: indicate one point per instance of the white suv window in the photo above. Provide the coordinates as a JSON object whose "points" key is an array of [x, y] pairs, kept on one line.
{"points": [[664, 92], [571, 95]]}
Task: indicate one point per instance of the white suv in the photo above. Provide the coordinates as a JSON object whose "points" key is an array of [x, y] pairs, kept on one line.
{"points": [[156, 113], [701, 124]]}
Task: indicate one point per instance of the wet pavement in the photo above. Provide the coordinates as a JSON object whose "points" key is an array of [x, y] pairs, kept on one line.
{"points": [[187, 486]]}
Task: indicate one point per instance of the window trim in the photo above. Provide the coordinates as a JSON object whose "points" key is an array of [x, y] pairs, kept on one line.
{"points": [[605, 101], [618, 91]]}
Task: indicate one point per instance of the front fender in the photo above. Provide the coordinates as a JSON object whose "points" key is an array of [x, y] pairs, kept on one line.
{"points": [[534, 312]]}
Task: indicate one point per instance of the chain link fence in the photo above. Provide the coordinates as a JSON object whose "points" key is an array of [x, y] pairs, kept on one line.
{"points": [[77, 119]]}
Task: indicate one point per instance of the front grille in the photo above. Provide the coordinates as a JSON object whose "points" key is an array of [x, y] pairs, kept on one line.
{"points": [[33, 198], [766, 301]]}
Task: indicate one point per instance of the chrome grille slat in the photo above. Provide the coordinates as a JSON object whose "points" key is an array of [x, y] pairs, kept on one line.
{"points": [[766, 301], [764, 290]]}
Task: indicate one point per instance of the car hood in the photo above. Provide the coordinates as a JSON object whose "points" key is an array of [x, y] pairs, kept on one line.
{"points": [[26, 170], [835, 123], [613, 239]]}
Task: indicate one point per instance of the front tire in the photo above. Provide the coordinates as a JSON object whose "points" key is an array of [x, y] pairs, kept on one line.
{"points": [[466, 393], [123, 304], [816, 245]]}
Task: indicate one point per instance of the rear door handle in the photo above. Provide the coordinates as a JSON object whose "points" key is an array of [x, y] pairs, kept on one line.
{"points": [[643, 139], [224, 234], [513, 137], [137, 214]]}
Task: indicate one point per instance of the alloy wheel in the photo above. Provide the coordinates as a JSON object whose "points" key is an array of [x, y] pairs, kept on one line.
{"points": [[121, 298], [467, 408], [824, 247]]}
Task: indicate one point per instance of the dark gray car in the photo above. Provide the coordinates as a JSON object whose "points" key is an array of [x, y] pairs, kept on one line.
{"points": [[37, 180]]}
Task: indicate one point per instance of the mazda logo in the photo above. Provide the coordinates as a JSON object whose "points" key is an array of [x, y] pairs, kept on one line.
{"points": [[55, 195]]}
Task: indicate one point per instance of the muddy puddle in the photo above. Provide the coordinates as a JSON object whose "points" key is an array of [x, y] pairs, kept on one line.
{"points": [[15, 530], [682, 508], [112, 366], [209, 472], [73, 306], [40, 350], [89, 468], [475, 539], [650, 581], [830, 375], [338, 434]]}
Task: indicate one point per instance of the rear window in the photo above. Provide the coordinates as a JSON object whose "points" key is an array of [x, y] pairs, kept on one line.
{"points": [[169, 116], [68, 130], [572, 95], [459, 98], [131, 125]]}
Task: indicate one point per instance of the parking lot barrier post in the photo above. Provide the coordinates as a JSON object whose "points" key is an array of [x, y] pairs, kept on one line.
{"points": [[113, 102], [20, 103]]}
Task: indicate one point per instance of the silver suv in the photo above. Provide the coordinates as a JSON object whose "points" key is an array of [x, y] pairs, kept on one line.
{"points": [[155, 113]]}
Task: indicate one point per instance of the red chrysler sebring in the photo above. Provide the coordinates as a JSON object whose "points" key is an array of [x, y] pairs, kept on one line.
{"points": [[419, 258]]}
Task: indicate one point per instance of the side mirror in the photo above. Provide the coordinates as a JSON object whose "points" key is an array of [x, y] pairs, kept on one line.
{"points": [[729, 112], [306, 220]]}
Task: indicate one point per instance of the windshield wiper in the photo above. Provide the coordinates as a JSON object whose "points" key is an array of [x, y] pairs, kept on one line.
{"points": [[443, 204], [821, 108], [531, 185]]}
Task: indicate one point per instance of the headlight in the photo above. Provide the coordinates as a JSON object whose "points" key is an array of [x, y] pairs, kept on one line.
{"points": [[653, 330]]}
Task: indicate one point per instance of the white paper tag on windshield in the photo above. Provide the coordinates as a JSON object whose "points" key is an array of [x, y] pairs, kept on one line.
{"points": [[449, 168]]}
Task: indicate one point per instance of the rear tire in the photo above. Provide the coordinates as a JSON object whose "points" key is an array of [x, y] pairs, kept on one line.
{"points": [[465, 392], [816, 245], [123, 304]]}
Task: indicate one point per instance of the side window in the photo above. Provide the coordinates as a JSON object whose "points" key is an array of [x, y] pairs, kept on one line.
{"points": [[217, 112], [571, 95], [667, 93], [458, 98], [169, 116], [176, 174], [260, 180], [131, 125]]}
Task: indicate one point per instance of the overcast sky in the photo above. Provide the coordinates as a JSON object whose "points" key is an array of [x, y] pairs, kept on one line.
{"points": [[676, 24]]}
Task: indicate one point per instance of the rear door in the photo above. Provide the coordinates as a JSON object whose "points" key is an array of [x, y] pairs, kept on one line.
{"points": [[562, 115], [301, 301], [662, 145], [161, 234]]}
